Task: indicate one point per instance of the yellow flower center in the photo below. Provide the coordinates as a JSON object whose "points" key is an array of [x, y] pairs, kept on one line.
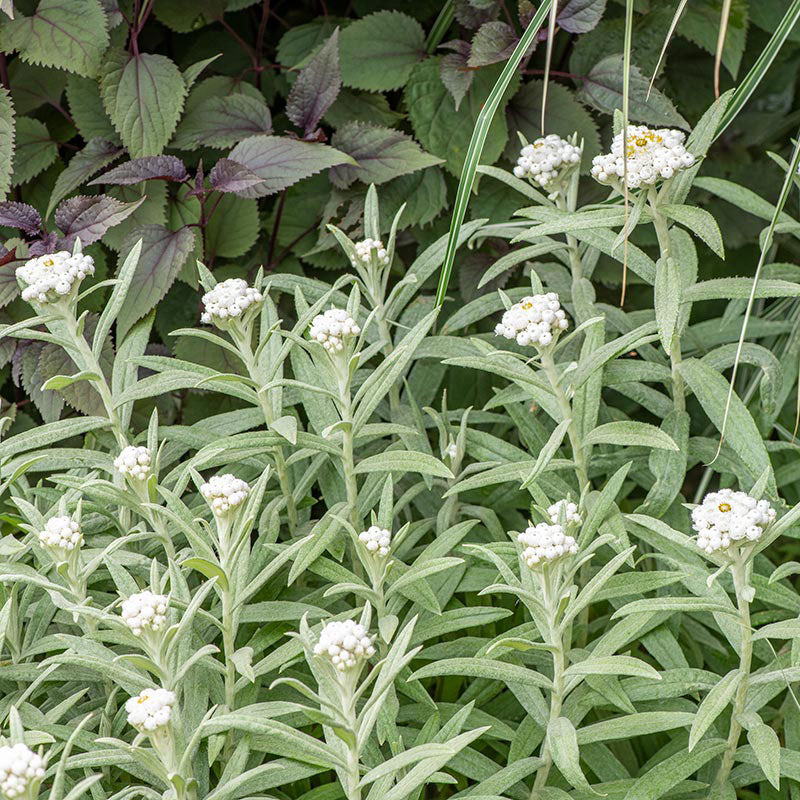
{"points": [[724, 507], [527, 306], [49, 262], [142, 699], [642, 142]]}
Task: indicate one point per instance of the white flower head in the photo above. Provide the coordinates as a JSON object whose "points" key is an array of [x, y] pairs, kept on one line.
{"points": [[546, 159], [535, 320], [61, 535], [332, 329], [145, 611], [544, 543], [150, 710], [346, 644], [377, 540], [224, 493], [570, 511], [727, 519], [134, 462], [652, 155], [365, 250], [50, 277], [229, 300], [20, 770]]}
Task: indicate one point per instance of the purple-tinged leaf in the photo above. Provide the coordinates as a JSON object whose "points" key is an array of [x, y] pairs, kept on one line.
{"points": [[221, 122], [380, 154], [281, 161], [454, 70], [230, 176], [163, 254], [580, 16], [316, 87], [88, 218], [22, 216], [97, 154], [492, 43], [167, 168], [46, 243]]}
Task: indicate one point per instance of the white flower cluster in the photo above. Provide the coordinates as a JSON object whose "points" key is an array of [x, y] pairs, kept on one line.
{"points": [[364, 252], [545, 542], [331, 328], [544, 159], [727, 517], [224, 492], [145, 611], [150, 710], [651, 155], [19, 767], [61, 533], [570, 512], [51, 276], [535, 320], [229, 300], [133, 461], [376, 540], [345, 643]]}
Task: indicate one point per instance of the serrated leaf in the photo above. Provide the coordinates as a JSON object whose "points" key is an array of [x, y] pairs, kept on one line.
{"points": [[34, 152], [68, 34], [6, 140], [380, 154], [88, 218], [580, 16], [494, 41], [143, 95], [229, 176], [379, 51], [163, 254], [280, 162], [22, 216], [221, 122], [168, 168], [316, 88]]}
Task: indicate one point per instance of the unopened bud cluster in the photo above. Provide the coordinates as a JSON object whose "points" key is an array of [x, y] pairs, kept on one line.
{"points": [[61, 534], [224, 493], [145, 611], [332, 328], [544, 542], [569, 511], [229, 300], [377, 540], [345, 643], [150, 710], [19, 768], [652, 155], [726, 518], [545, 159], [50, 277], [366, 248], [535, 320], [134, 462]]}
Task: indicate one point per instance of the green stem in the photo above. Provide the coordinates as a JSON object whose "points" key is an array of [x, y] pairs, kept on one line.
{"points": [[578, 454], [348, 460], [229, 648], [352, 790], [739, 573], [573, 250]]}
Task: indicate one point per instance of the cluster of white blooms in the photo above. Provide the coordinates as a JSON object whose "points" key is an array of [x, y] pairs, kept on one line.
{"points": [[331, 328], [19, 767], [545, 542], [544, 159], [224, 492], [229, 300], [51, 276], [376, 540], [726, 517], [344, 643], [534, 320], [145, 611], [61, 533], [133, 461], [570, 511], [150, 710], [651, 155], [364, 251]]}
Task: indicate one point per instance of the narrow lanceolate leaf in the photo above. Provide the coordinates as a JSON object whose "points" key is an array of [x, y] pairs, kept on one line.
{"points": [[699, 222], [280, 161], [483, 668], [143, 96], [613, 665], [667, 294], [767, 747], [714, 703], [88, 218], [316, 87], [168, 168], [6, 140], [629, 433], [563, 743], [68, 34], [401, 461]]}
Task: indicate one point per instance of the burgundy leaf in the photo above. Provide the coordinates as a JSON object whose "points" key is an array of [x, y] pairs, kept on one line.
{"points": [[231, 176], [580, 16], [88, 218], [167, 168], [47, 243], [22, 216]]}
